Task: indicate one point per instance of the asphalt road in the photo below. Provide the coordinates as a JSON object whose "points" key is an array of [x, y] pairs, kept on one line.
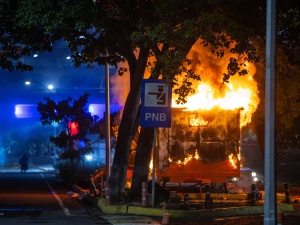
{"points": [[39, 197]]}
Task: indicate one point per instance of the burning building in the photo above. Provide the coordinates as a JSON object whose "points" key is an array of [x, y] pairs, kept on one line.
{"points": [[204, 140], [201, 145]]}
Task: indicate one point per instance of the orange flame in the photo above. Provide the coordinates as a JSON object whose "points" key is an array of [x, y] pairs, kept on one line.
{"points": [[196, 121], [204, 99], [210, 92], [231, 160], [241, 91]]}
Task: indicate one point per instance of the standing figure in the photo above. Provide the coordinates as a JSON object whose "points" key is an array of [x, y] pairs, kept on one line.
{"points": [[24, 163]]}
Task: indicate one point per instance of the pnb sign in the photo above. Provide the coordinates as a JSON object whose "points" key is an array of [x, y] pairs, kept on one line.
{"points": [[156, 104]]}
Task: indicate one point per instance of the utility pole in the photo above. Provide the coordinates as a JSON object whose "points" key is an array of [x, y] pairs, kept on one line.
{"points": [[270, 207], [107, 118]]}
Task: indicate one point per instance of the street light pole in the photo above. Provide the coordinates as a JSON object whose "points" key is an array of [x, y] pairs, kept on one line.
{"points": [[107, 118], [270, 207], [55, 125]]}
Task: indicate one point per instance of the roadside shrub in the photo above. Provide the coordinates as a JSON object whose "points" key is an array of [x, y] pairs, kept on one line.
{"points": [[77, 173]]}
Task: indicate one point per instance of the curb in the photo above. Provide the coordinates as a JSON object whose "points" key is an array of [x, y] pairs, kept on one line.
{"points": [[202, 213], [177, 213]]}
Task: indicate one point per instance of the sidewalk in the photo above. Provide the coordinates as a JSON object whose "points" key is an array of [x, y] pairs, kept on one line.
{"points": [[32, 168]]}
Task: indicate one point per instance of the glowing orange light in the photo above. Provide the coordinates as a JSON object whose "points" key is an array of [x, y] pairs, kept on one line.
{"points": [[196, 155], [197, 121], [206, 98], [232, 161]]}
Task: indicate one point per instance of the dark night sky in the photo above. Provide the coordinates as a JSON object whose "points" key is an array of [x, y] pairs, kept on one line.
{"points": [[52, 68], [49, 68]]}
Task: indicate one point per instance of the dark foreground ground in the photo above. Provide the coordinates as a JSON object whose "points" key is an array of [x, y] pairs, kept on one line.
{"points": [[290, 218], [242, 220]]}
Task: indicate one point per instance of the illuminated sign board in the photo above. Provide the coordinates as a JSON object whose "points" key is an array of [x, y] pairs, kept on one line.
{"points": [[156, 103]]}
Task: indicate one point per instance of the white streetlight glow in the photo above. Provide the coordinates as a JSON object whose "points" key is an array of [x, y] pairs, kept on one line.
{"points": [[49, 87]]}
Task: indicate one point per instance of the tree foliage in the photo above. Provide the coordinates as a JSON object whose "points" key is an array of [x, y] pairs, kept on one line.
{"points": [[76, 123], [287, 103]]}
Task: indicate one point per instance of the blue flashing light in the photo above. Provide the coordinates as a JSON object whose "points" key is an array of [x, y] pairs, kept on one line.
{"points": [[24, 110], [89, 157]]}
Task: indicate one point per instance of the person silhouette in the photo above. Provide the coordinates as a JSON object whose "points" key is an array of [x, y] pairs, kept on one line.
{"points": [[24, 163]]}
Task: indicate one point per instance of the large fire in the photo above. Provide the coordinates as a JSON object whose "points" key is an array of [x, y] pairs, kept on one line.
{"points": [[210, 92], [210, 98], [234, 98]]}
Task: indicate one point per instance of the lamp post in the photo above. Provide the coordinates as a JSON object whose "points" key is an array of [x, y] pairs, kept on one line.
{"points": [[270, 207], [107, 117], [55, 125]]}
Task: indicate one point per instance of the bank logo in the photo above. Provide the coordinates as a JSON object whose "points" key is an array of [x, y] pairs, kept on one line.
{"points": [[156, 95]]}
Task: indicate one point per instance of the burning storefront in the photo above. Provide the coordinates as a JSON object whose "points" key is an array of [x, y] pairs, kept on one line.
{"points": [[204, 140], [201, 145]]}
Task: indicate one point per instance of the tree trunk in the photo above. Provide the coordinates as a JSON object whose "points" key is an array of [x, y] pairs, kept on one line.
{"points": [[142, 161], [117, 180]]}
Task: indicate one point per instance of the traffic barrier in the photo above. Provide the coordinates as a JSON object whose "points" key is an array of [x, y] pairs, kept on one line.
{"points": [[186, 199], [174, 201], [287, 193], [166, 219], [144, 194], [93, 189], [107, 193], [253, 199], [208, 199], [100, 186], [279, 217]]}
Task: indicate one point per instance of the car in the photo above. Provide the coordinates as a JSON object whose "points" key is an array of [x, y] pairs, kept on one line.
{"points": [[248, 175]]}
